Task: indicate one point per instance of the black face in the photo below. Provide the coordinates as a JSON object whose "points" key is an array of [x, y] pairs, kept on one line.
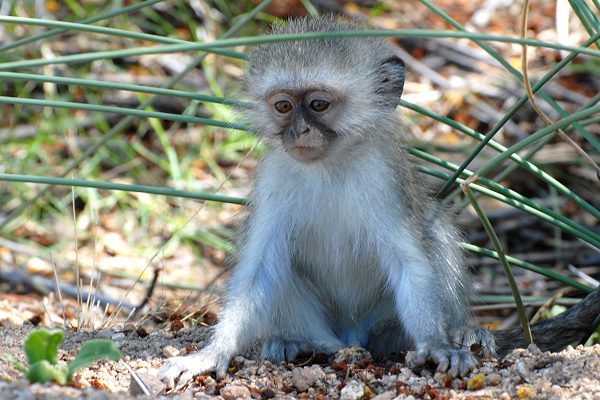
{"points": [[306, 117]]}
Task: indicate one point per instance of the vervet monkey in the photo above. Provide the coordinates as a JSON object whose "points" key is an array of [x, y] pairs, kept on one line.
{"points": [[343, 246]]}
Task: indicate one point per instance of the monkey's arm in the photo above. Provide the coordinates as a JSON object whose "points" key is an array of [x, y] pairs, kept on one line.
{"points": [[419, 304], [556, 333], [263, 264]]}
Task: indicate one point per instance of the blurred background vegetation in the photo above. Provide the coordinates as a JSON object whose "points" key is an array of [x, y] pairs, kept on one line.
{"points": [[180, 243]]}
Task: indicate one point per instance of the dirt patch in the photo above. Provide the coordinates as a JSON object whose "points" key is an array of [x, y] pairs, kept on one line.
{"points": [[352, 375]]}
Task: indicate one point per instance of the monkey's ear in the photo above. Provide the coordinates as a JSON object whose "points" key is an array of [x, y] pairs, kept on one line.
{"points": [[390, 80]]}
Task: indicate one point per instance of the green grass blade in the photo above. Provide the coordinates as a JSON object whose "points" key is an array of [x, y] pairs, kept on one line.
{"points": [[136, 51], [522, 161], [444, 190], [512, 111], [119, 86], [502, 258], [515, 199], [111, 32], [513, 156], [538, 135], [587, 19], [122, 111], [114, 13], [123, 124], [82, 27], [54, 181], [547, 272]]}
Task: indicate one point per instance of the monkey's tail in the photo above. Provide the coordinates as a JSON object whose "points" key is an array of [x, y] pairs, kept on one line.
{"points": [[574, 325]]}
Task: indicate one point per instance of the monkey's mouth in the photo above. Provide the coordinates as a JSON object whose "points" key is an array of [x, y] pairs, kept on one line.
{"points": [[308, 153]]}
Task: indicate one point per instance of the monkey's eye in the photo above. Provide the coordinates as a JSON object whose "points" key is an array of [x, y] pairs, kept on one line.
{"points": [[319, 105], [283, 106]]}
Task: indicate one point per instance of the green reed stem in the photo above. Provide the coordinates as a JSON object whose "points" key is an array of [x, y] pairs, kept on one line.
{"points": [[136, 51], [109, 31], [502, 258], [119, 86], [501, 149], [50, 180], [513, 110], [538, 135], [124, 123], [113, 13], [512, 198], [121, 111], [547, 272]]}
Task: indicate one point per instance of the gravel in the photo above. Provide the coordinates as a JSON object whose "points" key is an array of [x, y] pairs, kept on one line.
{"points": [[523, 374]]}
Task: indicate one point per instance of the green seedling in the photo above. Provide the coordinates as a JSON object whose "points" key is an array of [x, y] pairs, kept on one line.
{"points": [[41, 350]]}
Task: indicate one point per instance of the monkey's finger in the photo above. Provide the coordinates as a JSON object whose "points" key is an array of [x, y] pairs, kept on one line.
{"points": [[416, 358], [443, 364], [461, 363], [467, 363], [455, 367], [169, 372], [221, 369]]}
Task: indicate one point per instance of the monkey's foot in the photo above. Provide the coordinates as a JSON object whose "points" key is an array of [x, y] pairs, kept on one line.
{"points": [[483, 340], [278, 349], [179, 371], [455, 362]]}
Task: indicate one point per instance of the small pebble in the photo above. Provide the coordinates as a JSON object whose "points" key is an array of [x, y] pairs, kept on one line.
{"points": [[352, 391], [170, 351], [493, 380], [303, 378], [232, 392], [118, 337]]}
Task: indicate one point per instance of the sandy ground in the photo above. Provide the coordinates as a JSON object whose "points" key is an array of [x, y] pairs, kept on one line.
{"points": [[523, 374]]}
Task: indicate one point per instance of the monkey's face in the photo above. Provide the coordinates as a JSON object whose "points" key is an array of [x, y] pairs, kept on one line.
{"points": [[305, 119]]}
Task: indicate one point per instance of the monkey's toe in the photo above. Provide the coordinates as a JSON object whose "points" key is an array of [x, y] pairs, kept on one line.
{"points": [[179, 371], [455, 362]]}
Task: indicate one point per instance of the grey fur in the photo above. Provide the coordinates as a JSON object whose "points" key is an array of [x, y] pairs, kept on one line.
{"points": [[349, 249]]}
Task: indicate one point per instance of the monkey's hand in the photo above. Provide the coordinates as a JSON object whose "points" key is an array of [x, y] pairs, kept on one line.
{"points": [[178, 371], [457, 362]]}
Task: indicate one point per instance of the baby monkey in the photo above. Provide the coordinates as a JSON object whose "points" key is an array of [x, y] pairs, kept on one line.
{"points": [[343, 246]]}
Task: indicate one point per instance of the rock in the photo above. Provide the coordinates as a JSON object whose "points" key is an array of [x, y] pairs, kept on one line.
{"points": [[210, 385], [151, 383], [118, 337], [303, 378], [107, 334], [170, 351], [232, 392], [533, 349], [352, 391], [493, 379], [389, 395], [352, 355], [522, 371]]}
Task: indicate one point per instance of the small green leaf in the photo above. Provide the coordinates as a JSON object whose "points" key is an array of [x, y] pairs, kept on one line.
{"points": [[91, 351], [42, 372], [42, 344]]}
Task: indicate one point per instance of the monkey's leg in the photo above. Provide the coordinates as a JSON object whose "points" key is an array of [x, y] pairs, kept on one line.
{"points": [[387, 338], [419, 304], [298, 326], [254, 283]]}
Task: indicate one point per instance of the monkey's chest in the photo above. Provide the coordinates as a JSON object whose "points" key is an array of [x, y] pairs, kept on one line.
{"points": [[340, 267]]}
